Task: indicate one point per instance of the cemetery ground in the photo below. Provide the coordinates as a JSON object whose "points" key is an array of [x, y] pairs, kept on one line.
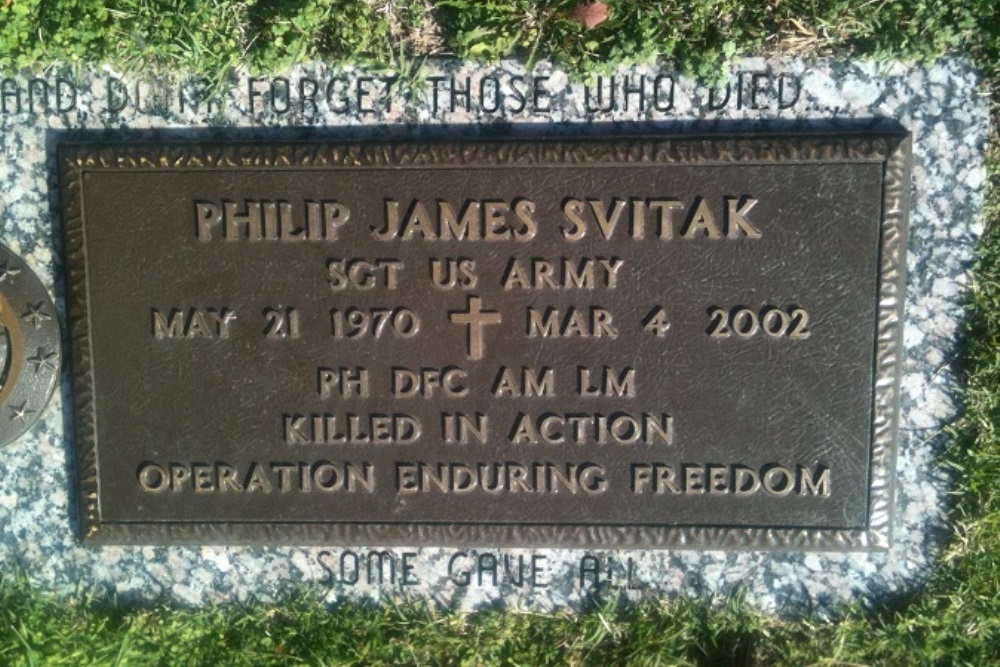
{"points": [[953, 617]]}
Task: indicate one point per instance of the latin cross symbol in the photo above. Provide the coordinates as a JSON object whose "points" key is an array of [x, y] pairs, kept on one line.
{"points": [[476, 319]]}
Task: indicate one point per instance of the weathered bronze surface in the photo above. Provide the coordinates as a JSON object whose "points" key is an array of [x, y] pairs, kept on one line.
{"points": [[30, 349], [662, 342]]}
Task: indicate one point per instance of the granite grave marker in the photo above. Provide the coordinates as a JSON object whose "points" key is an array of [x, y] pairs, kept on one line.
{"points": [[938, 106]]}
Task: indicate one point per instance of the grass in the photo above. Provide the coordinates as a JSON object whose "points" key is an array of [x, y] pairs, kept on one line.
{"points": [[39, 630], [267, 35], [953, 619]]}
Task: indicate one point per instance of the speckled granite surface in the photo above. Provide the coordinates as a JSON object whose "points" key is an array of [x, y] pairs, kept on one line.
{"points": [[940, 105]]}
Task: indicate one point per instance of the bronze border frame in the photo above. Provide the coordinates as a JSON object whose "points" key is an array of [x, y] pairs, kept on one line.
{"points": [[891, 149]]}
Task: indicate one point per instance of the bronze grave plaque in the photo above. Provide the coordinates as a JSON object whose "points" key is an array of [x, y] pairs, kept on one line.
{"points": [[638, 342]]}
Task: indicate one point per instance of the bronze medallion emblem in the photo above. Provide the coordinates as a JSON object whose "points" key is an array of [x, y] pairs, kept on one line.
{"points": [[29, 345], [650, 342]]}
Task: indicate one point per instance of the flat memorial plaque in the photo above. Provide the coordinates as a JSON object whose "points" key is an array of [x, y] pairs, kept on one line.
{"points": [[649, 342]]}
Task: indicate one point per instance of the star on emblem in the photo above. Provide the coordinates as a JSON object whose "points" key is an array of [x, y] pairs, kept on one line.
{"points": [[20, 412], [7, 271], [35, 315], [42, 358]]}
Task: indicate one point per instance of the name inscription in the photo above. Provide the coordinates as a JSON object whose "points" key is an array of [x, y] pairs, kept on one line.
{"points": [[450, 344]]}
